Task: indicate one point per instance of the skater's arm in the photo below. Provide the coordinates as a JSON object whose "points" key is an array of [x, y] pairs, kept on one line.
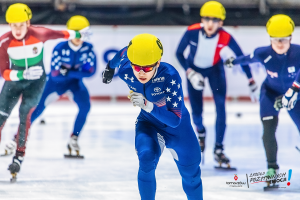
{"points": [[180, 50], [174, 102], [88, 69], [246, 60], [238, 52], [45, 34], [5, 71]]}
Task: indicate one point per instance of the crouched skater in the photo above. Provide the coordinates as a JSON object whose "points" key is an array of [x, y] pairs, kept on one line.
{"points": [[164, 121]]}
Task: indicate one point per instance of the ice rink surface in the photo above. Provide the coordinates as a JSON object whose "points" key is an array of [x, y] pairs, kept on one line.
{"points": [[109, 170]]}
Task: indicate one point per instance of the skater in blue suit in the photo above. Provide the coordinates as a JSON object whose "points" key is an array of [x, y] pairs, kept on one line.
{"points": [[281, 86], [164, 120], [209, 45]]}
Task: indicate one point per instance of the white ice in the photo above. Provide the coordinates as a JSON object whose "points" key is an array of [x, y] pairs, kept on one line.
{"points": [[109, 170]]}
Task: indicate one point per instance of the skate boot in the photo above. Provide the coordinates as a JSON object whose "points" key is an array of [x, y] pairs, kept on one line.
{"points": [[221, 158], [271, 178], [15, 167], [73, 146], [201, 139], [10, 148]]}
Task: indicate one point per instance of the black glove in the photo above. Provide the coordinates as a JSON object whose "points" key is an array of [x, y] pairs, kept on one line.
{"points": [[278, 103], [229, 62], [108, 74], [63, 70]]}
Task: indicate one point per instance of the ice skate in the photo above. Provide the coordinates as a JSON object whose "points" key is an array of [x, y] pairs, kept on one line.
{"points": [[10, 148], [15, 167], [73, 146], [201, 140], [271, 184], [222, 159]]}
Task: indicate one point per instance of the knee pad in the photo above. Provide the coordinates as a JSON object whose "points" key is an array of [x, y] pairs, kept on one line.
{"points": [[148, 160]]}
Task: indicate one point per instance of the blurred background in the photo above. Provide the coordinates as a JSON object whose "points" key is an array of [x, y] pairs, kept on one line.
{"points": [[115, 22]]}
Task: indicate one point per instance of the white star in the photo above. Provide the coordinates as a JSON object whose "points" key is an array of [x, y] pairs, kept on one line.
{"points": [[169, 99], [168, 89], [132, 79], [178, 85], [126, 76], [174, 93], [173, 82], [180, 98], [175, 105]]}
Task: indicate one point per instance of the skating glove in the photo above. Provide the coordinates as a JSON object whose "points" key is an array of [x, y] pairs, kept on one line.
{"points": [[85, 34], [33, 73], [278, 103], [139, 100], [229, 62], [290, 98], [254, 92], [108, 74], [63, 70], [196, 79]]}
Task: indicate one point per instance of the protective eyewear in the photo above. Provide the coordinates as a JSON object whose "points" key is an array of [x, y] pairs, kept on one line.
{"points": [[282, 40], [215, 20], [145, 69]]}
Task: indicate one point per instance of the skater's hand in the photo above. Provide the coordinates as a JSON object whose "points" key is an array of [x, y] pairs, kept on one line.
{"points": [[139, 100], [290, 98], [254, 92], [196, 79], [33, 73], [85, 34], [278, 103], [108, 74], [63, 70], [229, 62]]}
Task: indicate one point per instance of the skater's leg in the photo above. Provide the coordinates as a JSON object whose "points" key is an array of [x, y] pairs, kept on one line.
{"points": [[295, 115], [9, 97], [217, 81], [49, 95], [148, 150], [196, 100], [186, 153], [31, 96], [269, 117], [82, 99]]}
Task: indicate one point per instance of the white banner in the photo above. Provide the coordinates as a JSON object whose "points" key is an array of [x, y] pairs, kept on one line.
{"points": [[108, 39]]}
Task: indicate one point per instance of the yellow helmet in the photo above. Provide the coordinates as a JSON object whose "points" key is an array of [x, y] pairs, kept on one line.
{"points": [[17, 13], [280, 26], [77, 23], [213, 9], [144, 49]]}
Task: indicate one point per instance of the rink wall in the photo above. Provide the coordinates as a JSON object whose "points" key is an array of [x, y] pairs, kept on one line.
{"points": [[108, 39]]}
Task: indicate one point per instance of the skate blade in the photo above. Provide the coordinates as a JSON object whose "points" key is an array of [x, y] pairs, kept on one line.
{"points": [[225, 168], [202, 158], [271, 188], [14, 178], [6, 154], [74, 156]]}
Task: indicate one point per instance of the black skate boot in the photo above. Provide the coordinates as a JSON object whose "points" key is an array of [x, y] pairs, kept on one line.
{"points": [[15, 167], [201, 140], [271, 177], [221, 158], [73, 145]]}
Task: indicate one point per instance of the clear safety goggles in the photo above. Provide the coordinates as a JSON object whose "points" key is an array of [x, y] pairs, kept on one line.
{"points": [[281, 40], [213, 19]]}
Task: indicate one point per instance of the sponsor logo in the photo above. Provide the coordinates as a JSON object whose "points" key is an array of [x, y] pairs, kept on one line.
{"points": [[84, 48], [236, 183], [236, 177], [4, 40], [157, 89], [131, 87], [291, 69], [35, 50], [64, 59], [272, 74], [158, 93], [158, 80]]}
